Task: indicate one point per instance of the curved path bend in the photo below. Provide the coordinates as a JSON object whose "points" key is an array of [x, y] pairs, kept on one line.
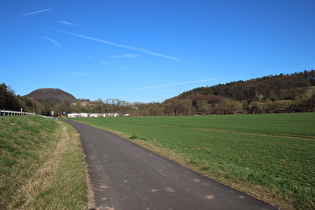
{"points": [[127, 176]]}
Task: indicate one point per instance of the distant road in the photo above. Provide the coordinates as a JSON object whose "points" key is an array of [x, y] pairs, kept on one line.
{"points": [[127, 176]]}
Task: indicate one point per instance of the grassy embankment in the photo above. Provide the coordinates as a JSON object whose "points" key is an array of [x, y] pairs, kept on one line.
{"points": [[41, 165], [270, 157]]}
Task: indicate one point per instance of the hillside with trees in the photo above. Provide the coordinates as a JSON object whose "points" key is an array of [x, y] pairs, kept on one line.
{"points": [[269, 94], [52, 95], [10, 101]]}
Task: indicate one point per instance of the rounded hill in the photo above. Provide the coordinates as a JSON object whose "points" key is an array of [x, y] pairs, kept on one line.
{"points": [[53, 95]]}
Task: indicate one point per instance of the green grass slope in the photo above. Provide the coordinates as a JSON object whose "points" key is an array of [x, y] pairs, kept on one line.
{"points": [[41, 165]]}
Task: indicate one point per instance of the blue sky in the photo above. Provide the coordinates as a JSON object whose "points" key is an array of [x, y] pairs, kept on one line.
{"points": [[150, 50]]}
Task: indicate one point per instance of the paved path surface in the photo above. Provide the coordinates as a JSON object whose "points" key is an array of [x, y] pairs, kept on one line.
{"points": [[126, 176]]}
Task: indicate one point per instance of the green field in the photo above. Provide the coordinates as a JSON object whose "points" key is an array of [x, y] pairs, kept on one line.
{"points": [[270, 157]]}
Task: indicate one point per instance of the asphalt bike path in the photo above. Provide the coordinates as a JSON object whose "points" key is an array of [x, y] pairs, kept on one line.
{"points": [[126, 176]]}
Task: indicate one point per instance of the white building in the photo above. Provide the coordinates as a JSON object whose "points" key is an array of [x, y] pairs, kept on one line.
{"points": [[76, 115]]}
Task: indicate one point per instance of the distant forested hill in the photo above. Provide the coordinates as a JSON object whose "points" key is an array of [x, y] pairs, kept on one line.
{"points": [[269, 94], [52, 95], [278, 87]]}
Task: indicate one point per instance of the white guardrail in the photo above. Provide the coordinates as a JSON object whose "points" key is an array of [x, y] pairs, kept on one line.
{"points": [[8, 113]]}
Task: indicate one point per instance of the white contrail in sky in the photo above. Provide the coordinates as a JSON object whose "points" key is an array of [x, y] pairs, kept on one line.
{"points": [[53, 41], [124, 56], [65, 22], [39, 11], [117, 45], [174, 84], [68, 23]]}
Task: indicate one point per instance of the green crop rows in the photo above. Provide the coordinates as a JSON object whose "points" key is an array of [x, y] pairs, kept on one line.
{"points": [[274, 151]]}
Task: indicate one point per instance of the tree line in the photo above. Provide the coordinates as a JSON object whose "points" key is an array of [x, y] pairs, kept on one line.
{"points": [[269, 94]]}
